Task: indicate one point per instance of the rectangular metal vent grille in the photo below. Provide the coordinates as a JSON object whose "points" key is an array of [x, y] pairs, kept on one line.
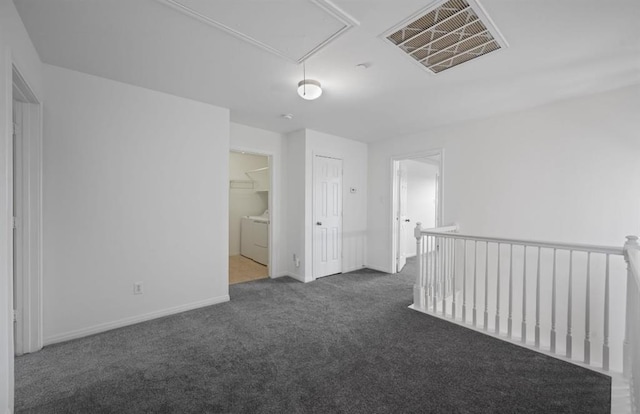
{"points": [[446, 36]]}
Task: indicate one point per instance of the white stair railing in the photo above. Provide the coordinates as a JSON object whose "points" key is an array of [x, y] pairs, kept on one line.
{"points": [[568, 296], [435, 273], [632, 331]]}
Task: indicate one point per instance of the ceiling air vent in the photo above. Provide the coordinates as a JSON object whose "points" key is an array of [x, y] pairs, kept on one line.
{"points": [[446, 35]]}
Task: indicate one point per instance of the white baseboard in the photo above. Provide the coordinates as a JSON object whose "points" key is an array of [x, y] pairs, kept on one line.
{"points": [[296, 277], [103, 327], [353, 269], [379, 269]]}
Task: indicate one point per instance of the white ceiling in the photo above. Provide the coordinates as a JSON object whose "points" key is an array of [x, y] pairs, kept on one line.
{"points": [[558, 49]]}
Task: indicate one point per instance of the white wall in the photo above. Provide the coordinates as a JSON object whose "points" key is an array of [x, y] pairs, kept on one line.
{"points": [[297, 209], [565, 172], [135, 190], [245, 138], [303, 146], [421, 192], [15, 48], [246, 201]]}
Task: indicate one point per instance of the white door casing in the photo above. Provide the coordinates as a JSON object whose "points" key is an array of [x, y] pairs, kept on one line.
{"points": [[17, 236], [327, 216], [27, 190]]}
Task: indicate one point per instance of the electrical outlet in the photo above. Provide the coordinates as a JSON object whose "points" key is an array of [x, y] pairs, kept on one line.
{"points": [[137, 288]]}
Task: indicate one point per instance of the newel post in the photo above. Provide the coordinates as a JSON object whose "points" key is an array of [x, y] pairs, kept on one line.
{"points": [[631, 244], [418, 288]]}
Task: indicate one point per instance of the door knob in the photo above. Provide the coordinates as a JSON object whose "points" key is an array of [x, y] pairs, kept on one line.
{"points": [[407, 220], [319, 223]]}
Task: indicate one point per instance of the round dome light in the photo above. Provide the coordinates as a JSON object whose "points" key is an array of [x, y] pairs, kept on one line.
{"points": [[309, 89]]}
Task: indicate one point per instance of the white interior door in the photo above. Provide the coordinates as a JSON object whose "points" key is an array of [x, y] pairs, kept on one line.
{"points": [[327, 216], [403, 220]]}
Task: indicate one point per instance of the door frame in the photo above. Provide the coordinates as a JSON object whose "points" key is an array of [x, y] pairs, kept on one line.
{"points": [[273, 190], [28, 241], [394, 227], [312, 212]]}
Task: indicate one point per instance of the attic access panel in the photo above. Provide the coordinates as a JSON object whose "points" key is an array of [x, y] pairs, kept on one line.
{"points": [[446, 34], [292, 29]]}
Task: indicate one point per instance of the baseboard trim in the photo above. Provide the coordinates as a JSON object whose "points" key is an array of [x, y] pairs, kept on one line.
{"points": [[353, 269], [103, 327], [379, 269], [296, 277]]}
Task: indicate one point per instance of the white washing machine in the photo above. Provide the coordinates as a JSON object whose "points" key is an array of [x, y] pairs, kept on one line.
{"points": [[254, 238]]}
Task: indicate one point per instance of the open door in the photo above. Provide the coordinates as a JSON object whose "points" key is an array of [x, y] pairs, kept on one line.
{"points": [[327, 216], [402, 219]]}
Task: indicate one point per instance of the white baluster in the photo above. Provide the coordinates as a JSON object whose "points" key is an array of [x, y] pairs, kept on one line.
{"points": [[445, 252], [486, 286], [524, 298], [436, 271], [425, 272], [587, 314], [510, 317], [537, 331], [475, 279], [553, 305], [569, 305], [498, 294], [434, 264], [464, 282], [418, 289], [425, 269], [453, 278], [605, 344]]}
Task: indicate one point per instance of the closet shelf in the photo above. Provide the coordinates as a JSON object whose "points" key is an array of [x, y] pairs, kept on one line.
{"points": [[242, 184]]}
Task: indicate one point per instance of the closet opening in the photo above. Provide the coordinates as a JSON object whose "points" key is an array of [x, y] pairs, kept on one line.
{"points": [[250, 178]]}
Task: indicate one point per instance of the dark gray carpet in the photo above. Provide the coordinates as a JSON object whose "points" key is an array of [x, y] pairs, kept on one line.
{"points": [[343, 344]]}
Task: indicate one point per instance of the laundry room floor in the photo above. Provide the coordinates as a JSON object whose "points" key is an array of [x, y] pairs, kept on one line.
{"points": [[242, 269]]}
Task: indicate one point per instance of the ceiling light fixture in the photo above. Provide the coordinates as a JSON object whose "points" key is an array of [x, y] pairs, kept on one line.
{"points": [[308, 89]]}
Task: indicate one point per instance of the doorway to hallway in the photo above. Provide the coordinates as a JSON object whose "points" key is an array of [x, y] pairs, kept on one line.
{"points": [[417, 195]]}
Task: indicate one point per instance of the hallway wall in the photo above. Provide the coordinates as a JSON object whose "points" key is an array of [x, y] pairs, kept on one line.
{"points": [[135, 190]]}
